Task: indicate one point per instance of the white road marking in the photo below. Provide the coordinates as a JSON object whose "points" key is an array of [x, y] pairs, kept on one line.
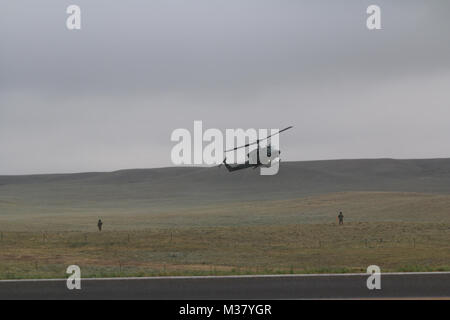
{"points": [[236, 276]]}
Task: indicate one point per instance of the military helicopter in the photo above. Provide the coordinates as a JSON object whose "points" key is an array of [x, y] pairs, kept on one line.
{"points": [[253, 158]]}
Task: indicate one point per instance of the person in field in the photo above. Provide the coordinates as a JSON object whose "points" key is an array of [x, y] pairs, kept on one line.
{"points": [[99, 224], [341, 218]]}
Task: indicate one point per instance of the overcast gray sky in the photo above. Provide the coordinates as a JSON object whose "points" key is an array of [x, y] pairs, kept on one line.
{"points": [[108, 97]]}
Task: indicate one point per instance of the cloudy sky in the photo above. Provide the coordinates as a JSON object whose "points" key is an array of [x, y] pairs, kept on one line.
{"points": [[108, 96]]}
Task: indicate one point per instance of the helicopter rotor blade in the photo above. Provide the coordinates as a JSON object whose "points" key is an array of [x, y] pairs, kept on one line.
{"points": [[248, 144], [274, 134], [257, 141]]}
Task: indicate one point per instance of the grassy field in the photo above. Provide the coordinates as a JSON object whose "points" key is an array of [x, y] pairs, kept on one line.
{"points": [[397, 231]]}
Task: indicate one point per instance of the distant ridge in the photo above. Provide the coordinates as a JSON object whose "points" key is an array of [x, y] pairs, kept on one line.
{"points": [[184, 185]]}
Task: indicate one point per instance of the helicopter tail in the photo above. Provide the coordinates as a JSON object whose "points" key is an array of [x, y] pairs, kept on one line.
{"points": [[229, 168]]}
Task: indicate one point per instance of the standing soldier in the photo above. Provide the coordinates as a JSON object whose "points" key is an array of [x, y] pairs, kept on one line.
{"points": [[99, 224], [341, 218]]}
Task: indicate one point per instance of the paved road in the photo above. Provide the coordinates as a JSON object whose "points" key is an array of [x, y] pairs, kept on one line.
{"points": [[412, 285]]}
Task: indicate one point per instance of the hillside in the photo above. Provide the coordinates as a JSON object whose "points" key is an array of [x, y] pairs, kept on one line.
{"points": [[202, 221], [180, 186]]}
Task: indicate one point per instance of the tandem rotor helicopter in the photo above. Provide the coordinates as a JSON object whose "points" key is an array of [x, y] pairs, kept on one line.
{"points": [[253, 158]]}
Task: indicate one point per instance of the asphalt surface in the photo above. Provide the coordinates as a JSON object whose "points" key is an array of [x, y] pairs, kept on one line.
{"points": [[402, 285]]}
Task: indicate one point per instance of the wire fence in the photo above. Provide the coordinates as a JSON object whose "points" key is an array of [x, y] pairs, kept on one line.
{"points": [[168, 237]]}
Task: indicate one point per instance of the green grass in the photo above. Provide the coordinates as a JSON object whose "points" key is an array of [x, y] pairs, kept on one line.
{"points": [[206, 221], [397, 231], [303, 248]]}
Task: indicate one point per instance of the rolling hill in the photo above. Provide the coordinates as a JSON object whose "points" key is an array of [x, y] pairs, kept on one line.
{"points": [[198, 221], [184, 186]]}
